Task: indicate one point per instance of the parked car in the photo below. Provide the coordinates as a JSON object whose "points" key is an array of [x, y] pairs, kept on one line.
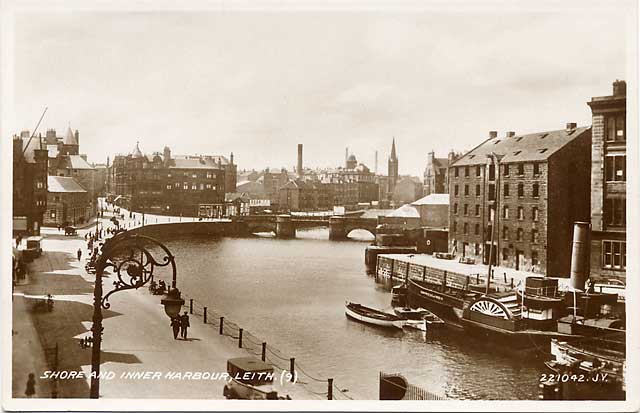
{"points": [[34, 248], [69, 230]]}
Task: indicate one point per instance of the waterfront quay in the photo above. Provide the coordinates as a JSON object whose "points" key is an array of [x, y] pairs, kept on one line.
{"points": [[396, 268], [139, 358]]}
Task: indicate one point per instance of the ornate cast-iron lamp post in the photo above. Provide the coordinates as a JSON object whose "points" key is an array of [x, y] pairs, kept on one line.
{"points": [[133, 263]]}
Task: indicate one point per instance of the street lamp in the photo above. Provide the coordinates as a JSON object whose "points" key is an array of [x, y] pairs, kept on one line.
{"points": [[133, 262]]}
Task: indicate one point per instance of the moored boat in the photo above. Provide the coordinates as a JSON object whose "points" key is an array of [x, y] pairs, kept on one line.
{"points": [[372, 316], [418, 314]]}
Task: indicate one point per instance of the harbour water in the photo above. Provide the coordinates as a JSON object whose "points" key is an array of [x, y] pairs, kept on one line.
{"points": [[291, 293]]}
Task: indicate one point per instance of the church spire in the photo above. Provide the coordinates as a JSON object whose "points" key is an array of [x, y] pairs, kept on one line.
{"points": [[393, 149]]}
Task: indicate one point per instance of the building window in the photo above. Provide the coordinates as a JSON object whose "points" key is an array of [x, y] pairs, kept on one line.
{"points": [[520, 169], [477, 210], [466, 190], [534, 214], [536, 190], [536, 168], [505, 233], [208, 175], [492, 172], [168, 186], [466, 171], [520, 190], [455, 208], [477, 190], [505, 254], [213, 187], [505, 191], [534, 236], [520, 213], [168, 175], [615, 128], [477, 229], [194, 176], [455, 188], [465, 228], [614, 254], [456, 173], [615, 168], [505, 212], [520, 234], [185, 173], [455, 226], [478, 170], [534, 257], [466, 209], [201, 187], [615, 210], [53, 214], [492, 192], [39, 185], [186, 186], [505, 170], [208, 186]]}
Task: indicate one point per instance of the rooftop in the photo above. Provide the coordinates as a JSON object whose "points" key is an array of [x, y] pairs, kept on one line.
{"points": [[433, 199], [531, 147], [65, 184]]}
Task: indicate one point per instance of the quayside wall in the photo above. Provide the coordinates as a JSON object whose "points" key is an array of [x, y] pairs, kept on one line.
{"points": [[221, 229]]}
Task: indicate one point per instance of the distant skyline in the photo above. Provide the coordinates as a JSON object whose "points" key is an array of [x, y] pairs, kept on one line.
{"points": [[258, 83]]}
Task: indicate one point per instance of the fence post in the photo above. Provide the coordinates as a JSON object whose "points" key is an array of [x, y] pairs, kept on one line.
{"points": [[329, 389], [204, 318], [221, 324], [292, 368], [240, 338], [191, 306], [264, 351]]}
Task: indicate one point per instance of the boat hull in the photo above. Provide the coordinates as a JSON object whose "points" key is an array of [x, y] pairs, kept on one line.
{"points": [[354, 315]]}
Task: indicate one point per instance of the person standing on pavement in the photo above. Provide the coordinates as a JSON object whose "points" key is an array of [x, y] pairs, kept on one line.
{"points": [[184, 325], [31, 386], [79, 253], [175, 325]]}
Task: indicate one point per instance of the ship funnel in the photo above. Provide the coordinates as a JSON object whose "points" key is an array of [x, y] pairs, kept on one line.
{"points": [[580, 255]]}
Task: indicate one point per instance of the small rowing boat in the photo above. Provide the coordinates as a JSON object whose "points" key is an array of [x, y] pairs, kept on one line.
{"points": [[372, 316], [418, 314]]}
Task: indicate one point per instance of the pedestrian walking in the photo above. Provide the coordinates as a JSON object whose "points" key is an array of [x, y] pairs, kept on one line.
{"points": [[184, 325], [31, 386], [175, 325], [59, 228], [79, 253]]}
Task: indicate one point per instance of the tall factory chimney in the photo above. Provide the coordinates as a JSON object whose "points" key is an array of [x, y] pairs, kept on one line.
{"points": [[346, 156], [299, 168], [375, 171]]}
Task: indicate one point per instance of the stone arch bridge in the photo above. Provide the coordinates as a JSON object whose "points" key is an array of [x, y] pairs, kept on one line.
{"points": [[285, 226]]}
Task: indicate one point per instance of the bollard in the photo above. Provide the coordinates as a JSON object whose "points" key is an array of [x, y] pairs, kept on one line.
{"points": [[292, 368], [240, 338], [264, 351], [511, 282], [191, 306], [329, 389], [505, 277], [478, 278], [204, 318], [221, 324]]}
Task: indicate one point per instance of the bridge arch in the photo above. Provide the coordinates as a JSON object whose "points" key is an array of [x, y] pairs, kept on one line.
{"points": [[262, 227]]}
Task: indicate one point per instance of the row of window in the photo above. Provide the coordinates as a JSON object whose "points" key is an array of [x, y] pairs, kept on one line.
{"points": [[535, 212], [506, 192], [520, 233], [194, 186], [506, 169], [505, 254]]}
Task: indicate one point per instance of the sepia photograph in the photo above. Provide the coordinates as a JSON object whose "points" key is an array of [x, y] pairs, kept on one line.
{"points": [[319, 205]]}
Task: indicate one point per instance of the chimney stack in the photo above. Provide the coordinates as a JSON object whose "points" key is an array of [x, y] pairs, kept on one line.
{"points": [[299, 168], [346, 156], [571, 126], [511, 134], [493, 134], [619, 88], [376, 164]]}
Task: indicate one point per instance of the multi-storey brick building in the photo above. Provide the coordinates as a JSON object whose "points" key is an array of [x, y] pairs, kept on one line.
{"points": [[29, 183], [176, 185], [608, 184], [538, 189]]}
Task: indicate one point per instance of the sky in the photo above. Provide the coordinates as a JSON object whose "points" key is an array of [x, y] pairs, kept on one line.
{"points": [[257, 83]]}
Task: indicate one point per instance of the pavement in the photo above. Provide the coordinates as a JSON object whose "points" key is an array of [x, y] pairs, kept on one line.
{"points": [[137, 335]]}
